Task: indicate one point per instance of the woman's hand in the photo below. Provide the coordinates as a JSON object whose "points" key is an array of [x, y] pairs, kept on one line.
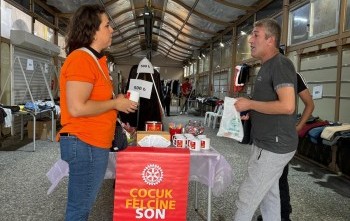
{"points": [[125, 105]]}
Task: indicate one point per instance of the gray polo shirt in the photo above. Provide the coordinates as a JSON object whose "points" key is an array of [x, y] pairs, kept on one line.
{"points": [[274, 132]]}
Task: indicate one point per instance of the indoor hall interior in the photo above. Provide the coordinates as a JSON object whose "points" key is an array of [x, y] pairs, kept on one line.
{"points": [[316, 192], [204, 41]]}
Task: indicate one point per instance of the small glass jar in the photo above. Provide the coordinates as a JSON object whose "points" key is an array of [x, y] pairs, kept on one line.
{"points": [[194, 127]]}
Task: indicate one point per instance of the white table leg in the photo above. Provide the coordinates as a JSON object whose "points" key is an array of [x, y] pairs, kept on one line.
{"points": [[209, 196], [34, 131], [209, 204], [21, 127], [53, 126], [209, 201], [196, 198]]}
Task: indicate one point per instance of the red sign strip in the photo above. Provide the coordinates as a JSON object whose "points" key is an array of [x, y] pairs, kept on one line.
{"points": [[151, 184]]}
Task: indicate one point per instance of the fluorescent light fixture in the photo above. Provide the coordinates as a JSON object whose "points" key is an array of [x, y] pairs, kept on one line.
{"points": [[221, 44], [301, 19]]}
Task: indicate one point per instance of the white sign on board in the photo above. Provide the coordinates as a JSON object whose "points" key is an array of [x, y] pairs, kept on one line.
{"points": [[145, 66], [143, 87], [317, 92], [30, 65]]}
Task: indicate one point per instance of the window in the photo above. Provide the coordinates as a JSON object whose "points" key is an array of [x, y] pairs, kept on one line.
{"points": [[44, 13], [13, 19], [203, 86], [201, 65], [191, 69], [207, 62], [24, 3], [269, 10], [62, 25], [61, 44], [194, 68], [243, 48], [314, 20], [221, 84], [186, 71], [324, 18], [246, 27], [216, 58], [279, 20], [243, 31], [43, 31], [300, 24], [226, 53]]}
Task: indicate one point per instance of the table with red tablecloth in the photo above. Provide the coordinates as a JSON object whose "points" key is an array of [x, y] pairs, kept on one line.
{"points": [[208, 167]]}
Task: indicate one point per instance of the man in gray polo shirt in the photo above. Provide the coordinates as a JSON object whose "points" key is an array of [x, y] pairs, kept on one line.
{"points": [[273, 124]]}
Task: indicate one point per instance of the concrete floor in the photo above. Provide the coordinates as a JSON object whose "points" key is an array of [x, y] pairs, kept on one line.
{"points": [[316, 193]]}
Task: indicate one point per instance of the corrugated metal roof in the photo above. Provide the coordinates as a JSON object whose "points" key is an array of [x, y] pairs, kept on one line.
{"points": [[179, 27]]}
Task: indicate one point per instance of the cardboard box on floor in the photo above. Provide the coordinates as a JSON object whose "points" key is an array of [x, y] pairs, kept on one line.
{"points": [[4, 130], [43, 129], [142, 134]]}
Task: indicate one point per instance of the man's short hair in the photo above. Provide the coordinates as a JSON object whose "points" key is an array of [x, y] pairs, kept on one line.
{"points": [[272, 28]]}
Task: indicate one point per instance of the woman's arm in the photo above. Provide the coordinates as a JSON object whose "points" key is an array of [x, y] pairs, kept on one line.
{"points": [[79, 105]]}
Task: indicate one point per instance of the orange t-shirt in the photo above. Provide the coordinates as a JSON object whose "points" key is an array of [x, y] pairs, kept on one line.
{"points": [[95, 130]]}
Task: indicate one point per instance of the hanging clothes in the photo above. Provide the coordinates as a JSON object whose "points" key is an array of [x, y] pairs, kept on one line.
{"points": [[237, 87], [167, 99], [2, 115], [149, 109], [240, 77], [8, 118], [175, 87], [244, 74]]}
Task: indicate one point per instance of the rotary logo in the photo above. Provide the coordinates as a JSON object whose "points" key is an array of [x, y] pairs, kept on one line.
{"points": [[152, 174]]}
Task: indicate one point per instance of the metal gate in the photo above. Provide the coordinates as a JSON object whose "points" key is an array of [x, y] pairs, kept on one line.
{"points": [[31, 76]]}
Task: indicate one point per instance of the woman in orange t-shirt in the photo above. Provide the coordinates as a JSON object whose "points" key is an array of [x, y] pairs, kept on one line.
{"points": [[89, 110]]}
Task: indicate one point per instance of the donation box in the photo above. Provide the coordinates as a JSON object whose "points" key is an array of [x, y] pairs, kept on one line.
{"points": [[151, 184]]}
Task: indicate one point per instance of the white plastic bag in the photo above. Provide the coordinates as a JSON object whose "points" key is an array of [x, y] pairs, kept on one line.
{"points": [[231, 124]]}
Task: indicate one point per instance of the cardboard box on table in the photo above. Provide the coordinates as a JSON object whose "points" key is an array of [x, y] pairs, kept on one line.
{"points": [[43, 129], [142, 134], [148, 187]]}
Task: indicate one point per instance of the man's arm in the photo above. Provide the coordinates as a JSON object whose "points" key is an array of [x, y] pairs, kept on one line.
{"points": [[305, 96], [284, 105]]}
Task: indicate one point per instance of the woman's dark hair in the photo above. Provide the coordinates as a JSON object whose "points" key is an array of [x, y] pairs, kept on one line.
{"points": [[83, 26]]}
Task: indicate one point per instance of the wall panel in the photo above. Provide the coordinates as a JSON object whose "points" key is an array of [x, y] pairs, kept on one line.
{"points": [[344, 106], [321, 70]]}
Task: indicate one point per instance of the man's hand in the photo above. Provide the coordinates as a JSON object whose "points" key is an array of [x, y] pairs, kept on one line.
{"points": [[242, 104], [299, 127]]}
